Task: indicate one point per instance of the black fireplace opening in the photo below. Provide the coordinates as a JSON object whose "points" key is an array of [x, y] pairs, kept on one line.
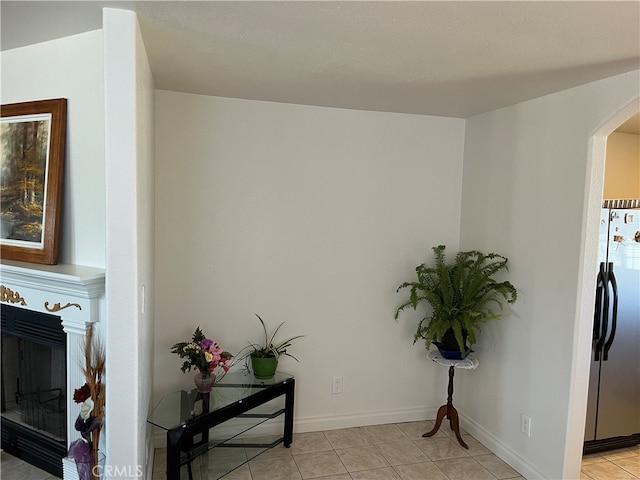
{"points": [[34, 388]]}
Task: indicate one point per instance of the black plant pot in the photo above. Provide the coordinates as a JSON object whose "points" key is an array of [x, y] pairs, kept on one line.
{"points": [[449, 347]]}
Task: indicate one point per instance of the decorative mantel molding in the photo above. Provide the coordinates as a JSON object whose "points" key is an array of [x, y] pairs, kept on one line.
{"points": [[9, 296], [52, 288], [72, 292]]}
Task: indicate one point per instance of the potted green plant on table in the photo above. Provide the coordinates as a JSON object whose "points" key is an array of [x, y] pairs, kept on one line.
{"points": [[264, 356], [462, 293]]}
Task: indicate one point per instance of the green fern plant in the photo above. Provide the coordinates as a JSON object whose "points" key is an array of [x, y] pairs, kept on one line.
{"points": [[462, 294]]}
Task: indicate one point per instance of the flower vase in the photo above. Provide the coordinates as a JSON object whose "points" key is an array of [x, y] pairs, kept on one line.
{"points": [[204, 382], [88, 469], [89, 463]]}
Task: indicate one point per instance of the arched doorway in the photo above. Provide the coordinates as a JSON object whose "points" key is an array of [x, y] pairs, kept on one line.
{"points": [[584, 323]]}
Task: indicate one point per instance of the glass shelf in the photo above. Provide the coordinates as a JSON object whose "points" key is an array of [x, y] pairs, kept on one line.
{"points": [[184, 406]]}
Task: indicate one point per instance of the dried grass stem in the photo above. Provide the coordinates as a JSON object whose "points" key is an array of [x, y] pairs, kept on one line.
{"points": [[93, 370]]}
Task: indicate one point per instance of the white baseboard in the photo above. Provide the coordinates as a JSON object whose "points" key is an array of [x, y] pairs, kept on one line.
{"points": [[328, 422], [501, 450], [360, 419]]}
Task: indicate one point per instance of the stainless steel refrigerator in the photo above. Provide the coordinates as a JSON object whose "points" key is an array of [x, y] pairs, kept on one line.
{"points": [[613, 408]]}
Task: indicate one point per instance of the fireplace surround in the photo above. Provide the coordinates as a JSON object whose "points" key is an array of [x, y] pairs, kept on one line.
{"points": [[70, 296], [34, 387]]}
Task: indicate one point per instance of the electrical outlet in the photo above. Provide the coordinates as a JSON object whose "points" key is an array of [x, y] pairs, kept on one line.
{"points": [[336, 385], [525, 425]]}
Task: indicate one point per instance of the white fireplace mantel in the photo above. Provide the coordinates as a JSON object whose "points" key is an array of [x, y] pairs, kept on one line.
{"points": [[71, 292]]}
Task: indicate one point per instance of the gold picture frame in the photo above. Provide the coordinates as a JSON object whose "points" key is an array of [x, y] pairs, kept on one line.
{"points": [[32, 147]]}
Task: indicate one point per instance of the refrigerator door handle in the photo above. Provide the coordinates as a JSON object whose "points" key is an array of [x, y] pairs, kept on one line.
{"points": [[614, 313], [601, 312], [597, 311]]}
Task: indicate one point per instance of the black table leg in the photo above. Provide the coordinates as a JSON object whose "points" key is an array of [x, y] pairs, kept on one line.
{"points": [[173, 454], [288, 414]]}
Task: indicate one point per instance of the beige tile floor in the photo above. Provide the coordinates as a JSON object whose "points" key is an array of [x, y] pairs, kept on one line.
{"points": [[616, 464], [380, 452], [12, 468], [394, 451]]}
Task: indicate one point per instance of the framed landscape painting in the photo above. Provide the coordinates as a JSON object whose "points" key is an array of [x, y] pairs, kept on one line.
{"points": [[32, 146]]}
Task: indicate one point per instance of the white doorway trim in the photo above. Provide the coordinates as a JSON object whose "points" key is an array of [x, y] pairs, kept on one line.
{"points": [[581, 354]]}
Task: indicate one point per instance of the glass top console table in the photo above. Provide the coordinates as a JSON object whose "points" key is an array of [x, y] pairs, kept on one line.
{"points": [[236, 404]]}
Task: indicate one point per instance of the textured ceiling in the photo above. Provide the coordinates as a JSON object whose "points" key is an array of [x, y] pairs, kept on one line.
{"points": [[438, 58]]}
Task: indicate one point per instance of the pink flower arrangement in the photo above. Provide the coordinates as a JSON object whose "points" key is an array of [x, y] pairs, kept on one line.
{"points": [[202, 353]]}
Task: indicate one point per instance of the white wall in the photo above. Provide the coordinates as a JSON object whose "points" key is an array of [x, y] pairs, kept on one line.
{"points": [[307, 215], [129, 97], [525, 172], [71, 68]]}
